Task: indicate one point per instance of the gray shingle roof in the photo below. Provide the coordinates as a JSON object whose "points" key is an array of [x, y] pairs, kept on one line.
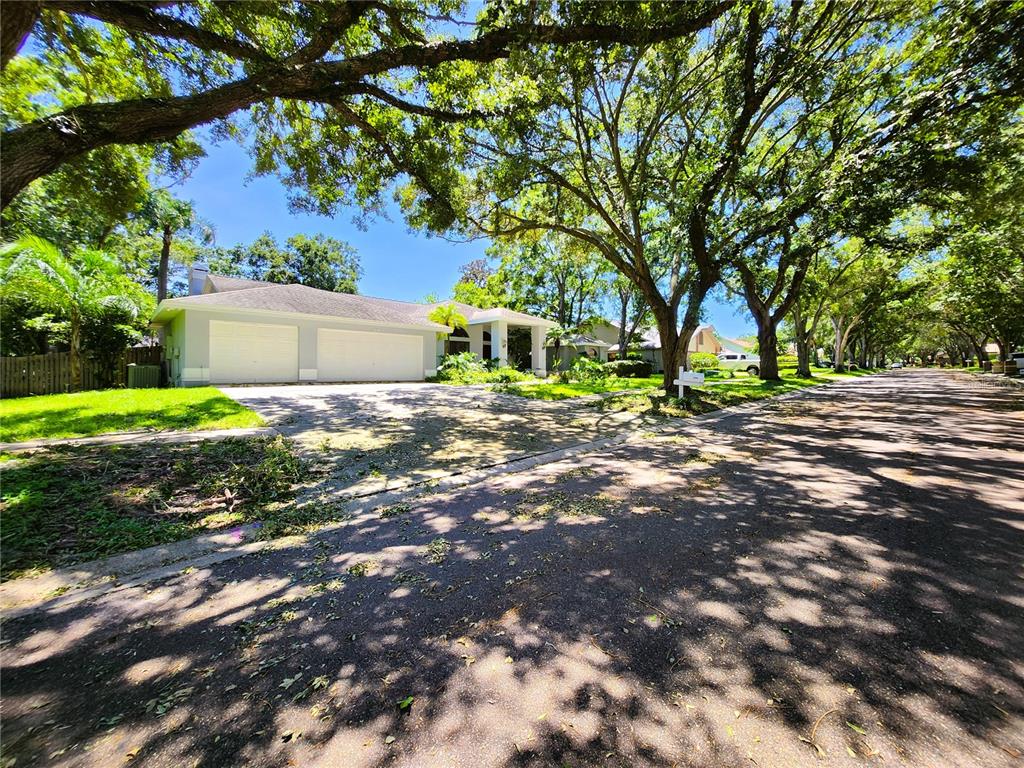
{"points": [[304, 300], [223, 283], [237, 293]]}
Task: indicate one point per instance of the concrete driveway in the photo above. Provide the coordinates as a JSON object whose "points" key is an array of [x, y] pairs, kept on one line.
{"points": [[371, 437]]}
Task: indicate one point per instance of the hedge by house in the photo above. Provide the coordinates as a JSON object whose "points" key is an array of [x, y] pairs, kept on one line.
{"points": [[629, 369]]}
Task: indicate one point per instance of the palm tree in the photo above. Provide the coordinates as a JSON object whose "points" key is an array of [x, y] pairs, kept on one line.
{"points": [[169, 216], [448, 314], [35, 269], [558, 335]]}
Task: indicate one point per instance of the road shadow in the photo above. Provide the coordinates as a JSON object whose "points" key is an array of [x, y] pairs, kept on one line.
{"points": [[836, 575]]}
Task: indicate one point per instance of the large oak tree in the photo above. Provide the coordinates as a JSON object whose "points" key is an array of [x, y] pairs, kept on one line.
{"points": [[666, 162], [346, 95]]}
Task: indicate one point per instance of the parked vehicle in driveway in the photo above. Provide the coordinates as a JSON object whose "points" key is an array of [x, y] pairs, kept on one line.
{"points": [[1016, 358], [740, 361]]}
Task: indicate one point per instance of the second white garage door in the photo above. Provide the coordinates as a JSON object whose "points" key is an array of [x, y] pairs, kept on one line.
{"points": [[367, 356], [253, 353]]}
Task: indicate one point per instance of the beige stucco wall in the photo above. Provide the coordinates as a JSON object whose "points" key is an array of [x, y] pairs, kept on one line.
{"points": [[174, 349], [705, 341], [605, 332], [191, 333]]}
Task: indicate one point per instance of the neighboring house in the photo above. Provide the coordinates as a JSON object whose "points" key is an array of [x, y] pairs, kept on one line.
{"points": [[234, 331], [594, 344], [577, 346], [704, 339], [605, 331], [740, 346]]}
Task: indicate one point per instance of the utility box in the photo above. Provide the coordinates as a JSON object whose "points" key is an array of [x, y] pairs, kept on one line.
{"points": [[143, 376]]}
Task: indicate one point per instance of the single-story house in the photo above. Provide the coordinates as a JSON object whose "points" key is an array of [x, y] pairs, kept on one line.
{"points": [[235, 331], [581, 345], [595, 344], [704, 339]]}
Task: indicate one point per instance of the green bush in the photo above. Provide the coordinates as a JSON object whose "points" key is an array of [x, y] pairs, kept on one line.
{"points": [[629, 369], [585, 369], [468, 368], [787, 360], [703, 361], [507, 375], [458, 366]]}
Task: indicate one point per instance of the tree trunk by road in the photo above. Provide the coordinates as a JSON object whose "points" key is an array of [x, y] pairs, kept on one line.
{"points": [[803, 342], [840, 344], [783, 291], [767, 346], [979, 350]]}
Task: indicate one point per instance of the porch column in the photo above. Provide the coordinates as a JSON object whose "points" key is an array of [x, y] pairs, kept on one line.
{"points": [[537, 350], [499, 341], [476, 340]]}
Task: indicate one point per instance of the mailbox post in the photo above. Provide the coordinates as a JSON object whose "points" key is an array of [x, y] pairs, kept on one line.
{"points": [[688, 379]]}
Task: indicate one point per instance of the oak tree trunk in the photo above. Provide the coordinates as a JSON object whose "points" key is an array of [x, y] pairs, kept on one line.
{"points": [[838, 361], [768, 346], [623, 319], [803, 343], [671, 358], [16, 23], [165, 260]]}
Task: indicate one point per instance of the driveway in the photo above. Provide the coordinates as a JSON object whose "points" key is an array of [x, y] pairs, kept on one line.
{"points": [[369, 437], [833, 580]]}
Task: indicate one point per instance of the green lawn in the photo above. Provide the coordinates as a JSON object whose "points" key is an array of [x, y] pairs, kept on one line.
{"points": [[80, 414], [739, 388], [719, 393], [551, 390]]}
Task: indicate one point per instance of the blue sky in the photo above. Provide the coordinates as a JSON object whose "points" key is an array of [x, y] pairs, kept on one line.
{"points": [[397, 263]]}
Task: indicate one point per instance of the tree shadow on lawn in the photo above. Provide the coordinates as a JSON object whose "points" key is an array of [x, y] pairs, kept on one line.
{"points": [[711, 606]]}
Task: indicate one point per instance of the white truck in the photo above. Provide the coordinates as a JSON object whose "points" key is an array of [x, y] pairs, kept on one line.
{"points": [[740, 361]]}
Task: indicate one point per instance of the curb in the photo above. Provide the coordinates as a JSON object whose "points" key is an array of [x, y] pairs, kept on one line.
{"points": [[161, 562]]}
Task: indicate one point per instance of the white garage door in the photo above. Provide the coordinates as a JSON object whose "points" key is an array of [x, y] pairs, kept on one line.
{"points": [[366, 356], [251, 353]]}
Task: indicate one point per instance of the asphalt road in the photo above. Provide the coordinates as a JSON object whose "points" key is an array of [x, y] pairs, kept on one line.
{"points": [[835, 579]]}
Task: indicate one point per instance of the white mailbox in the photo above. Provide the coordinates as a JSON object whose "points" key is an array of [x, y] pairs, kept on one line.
{"points": [[688, 379]]}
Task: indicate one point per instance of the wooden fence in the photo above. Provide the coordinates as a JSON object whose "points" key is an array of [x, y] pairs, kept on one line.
{"points": [[51, 374]]}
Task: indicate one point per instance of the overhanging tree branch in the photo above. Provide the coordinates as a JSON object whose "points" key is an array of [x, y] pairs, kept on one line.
{"points": [[40, 147]]}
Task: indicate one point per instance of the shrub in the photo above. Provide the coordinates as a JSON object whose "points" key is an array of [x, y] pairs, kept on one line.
{"points": [[463, 368], [703, 361], [454, 365], [629, 369], [585, 369], [786, 360], [507, 375], [467, 368]]}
